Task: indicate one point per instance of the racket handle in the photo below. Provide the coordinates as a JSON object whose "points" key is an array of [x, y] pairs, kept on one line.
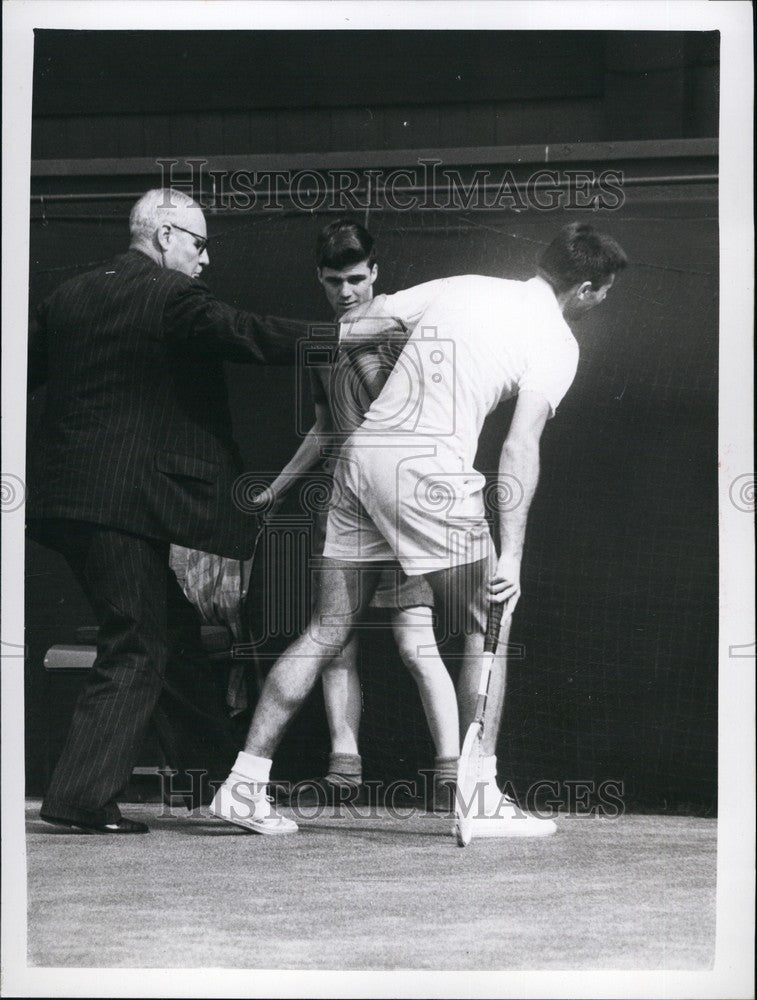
{"points": [[493, 622]]}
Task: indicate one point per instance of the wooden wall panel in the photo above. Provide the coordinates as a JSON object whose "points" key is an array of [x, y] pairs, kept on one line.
{"points": [[628, 86], [48, 135], [236, 135], [303, 130], [129, 134], [264, 133], [210, 133], [77, 136], [411, 126], [106, 72], [468, 124], [357, 128], [157, 135], [553, 121]]}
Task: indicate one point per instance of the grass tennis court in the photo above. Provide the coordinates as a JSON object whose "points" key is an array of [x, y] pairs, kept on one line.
{"points": [[376, 892]]}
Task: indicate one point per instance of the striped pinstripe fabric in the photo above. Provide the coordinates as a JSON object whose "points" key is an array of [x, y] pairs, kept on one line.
{"points": [[136, 432], [135, 452], [148, 632]]}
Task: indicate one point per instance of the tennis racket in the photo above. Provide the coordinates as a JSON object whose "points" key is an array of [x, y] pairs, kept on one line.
{"points": [[471, 759]]}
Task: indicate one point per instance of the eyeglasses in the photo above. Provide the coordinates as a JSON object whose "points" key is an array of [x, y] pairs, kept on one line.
{"points": [[202, 241]]}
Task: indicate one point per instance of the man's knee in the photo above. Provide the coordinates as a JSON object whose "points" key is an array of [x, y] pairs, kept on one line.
{"points": [[415, 644], [325, 640], [343, 662]]}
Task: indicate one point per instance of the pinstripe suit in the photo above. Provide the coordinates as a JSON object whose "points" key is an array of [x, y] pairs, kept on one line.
{"points": [[135, 452]]}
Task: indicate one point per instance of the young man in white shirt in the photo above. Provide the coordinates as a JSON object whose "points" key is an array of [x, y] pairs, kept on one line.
{"points": [[347, 270], [409, 491]]}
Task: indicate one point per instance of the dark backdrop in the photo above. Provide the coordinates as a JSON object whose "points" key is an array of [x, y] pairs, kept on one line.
{"points": [[618, 620], [109, 94]]}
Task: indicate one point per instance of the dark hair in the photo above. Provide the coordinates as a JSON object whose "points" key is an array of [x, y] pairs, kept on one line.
{"points": [[343, 243], [579, 253]]}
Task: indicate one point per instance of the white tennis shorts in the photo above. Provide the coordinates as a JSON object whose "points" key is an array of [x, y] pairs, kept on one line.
{"points": [[405, 501]]}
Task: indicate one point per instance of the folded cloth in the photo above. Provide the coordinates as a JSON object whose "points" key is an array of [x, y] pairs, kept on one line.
{"points": [[215, 585]]}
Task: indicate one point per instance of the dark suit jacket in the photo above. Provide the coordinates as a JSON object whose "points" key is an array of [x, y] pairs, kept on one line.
{"points": [[136, 433]]}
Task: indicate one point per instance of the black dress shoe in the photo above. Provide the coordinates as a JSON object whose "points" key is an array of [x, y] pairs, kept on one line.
{"points": [[121, 825]]}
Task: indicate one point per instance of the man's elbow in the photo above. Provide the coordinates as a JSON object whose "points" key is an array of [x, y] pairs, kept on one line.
{"points": [[520, 460]]}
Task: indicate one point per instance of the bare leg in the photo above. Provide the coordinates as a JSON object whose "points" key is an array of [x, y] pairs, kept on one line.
{"points": [[344, 591], [414, 634], [342, 698], [461, 594]]}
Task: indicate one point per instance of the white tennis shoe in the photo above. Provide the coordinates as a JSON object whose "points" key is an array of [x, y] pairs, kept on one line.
{"points": [[247, 804], [501, 816], [492, 798]]}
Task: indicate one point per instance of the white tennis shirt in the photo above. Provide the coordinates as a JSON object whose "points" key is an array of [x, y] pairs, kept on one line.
{"points": [[475, 341]]}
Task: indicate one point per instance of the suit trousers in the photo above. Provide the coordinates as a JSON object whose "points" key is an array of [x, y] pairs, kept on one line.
{"points": [[150, 665]]}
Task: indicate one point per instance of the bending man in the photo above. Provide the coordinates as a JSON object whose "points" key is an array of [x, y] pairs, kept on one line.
{"points": [[409, 489], [341, 392]]}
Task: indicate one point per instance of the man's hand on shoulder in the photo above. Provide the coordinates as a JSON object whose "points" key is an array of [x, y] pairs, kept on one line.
{"points": [[370, 323], [268, 501]]}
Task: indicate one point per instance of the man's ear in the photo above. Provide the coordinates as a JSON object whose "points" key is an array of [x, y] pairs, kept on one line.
{"points": [[163, 236], [319, 275], [374, 273], [583, 290]]}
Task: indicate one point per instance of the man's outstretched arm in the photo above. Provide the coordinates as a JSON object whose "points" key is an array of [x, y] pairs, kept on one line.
{"points": [[195, 314], [518, 477]]}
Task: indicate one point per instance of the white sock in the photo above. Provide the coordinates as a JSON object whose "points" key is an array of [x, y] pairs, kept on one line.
{"points": [[257, 769]]}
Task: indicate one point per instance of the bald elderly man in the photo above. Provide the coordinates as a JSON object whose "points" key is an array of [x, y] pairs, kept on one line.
{"points": [[134, 453]]}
